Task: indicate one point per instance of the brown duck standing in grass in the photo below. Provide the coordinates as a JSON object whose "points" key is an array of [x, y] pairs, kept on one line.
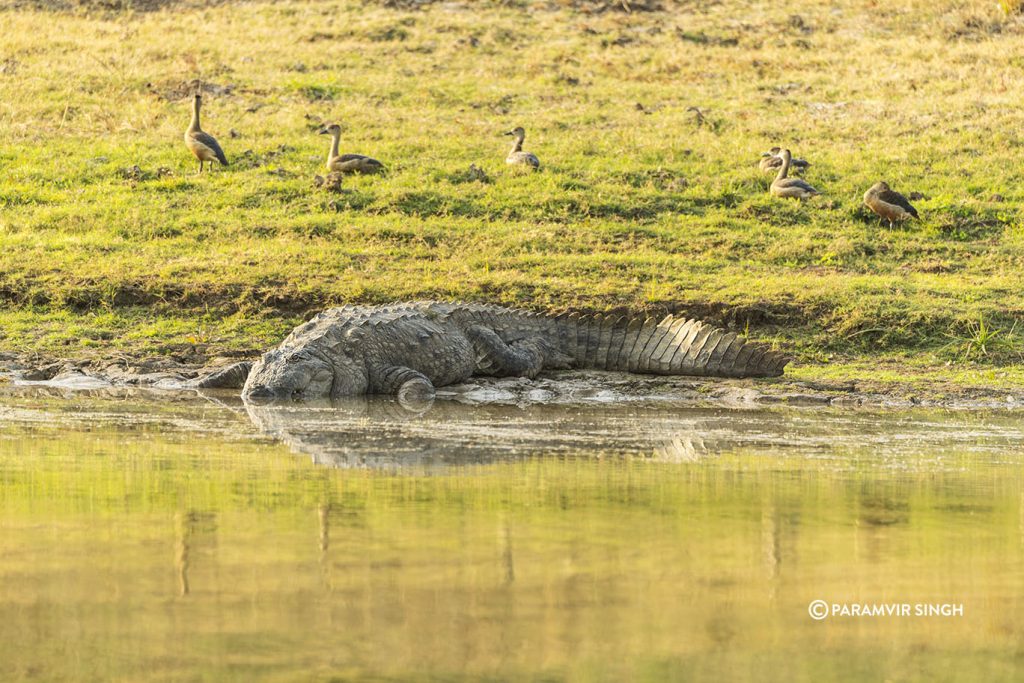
{"points": [[790, 188], [517, 157], [888, 204], [202, 145], [771, 161], [347, 163]]}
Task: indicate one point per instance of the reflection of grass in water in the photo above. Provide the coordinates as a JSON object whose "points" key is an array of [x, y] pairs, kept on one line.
{"points": [[156, 476], [579, 568]]}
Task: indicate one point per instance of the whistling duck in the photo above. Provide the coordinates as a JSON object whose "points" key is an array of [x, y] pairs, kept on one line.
{"points": [[771, 161], [347, 163], [889, 205], [790, 188], [517, 156], [202, 145]]}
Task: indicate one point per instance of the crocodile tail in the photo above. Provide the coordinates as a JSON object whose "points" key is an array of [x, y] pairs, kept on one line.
{"points": [[673, 346]]}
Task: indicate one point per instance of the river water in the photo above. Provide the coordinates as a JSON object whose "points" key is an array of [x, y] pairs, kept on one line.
{"points": [[170, 536]]}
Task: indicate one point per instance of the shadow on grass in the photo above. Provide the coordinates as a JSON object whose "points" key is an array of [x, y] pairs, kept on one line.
{"points": [[9, 199], [149, 232], [347, 200], [971, 229], [424, 204], [554, 209]]}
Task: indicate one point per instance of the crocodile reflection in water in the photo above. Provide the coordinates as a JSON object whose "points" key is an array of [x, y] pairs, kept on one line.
{"points": [[385, 434]]}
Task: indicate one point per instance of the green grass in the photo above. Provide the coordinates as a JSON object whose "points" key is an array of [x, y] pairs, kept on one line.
{"points": [[639, 206]]}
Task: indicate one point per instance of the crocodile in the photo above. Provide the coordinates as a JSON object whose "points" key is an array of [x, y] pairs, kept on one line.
{"points": [[408, 349]]}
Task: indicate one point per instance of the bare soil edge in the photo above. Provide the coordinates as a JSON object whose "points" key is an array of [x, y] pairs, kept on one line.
{"points": [[561, 387]]}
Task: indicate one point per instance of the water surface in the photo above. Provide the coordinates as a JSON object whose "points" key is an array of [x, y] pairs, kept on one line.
{"points": [[166, 536]]}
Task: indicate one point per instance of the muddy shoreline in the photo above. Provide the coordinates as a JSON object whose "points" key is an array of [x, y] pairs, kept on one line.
{"points": [[564, 387]]}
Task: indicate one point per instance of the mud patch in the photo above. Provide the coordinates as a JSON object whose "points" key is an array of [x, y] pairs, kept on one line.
{"points": [[592, 386], [175, 91], [107, 6], [588, 387]]}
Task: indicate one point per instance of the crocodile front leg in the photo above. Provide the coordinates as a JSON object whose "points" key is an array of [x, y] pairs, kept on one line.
{"points": [[405, 383], [231, 377], [523, 358]]}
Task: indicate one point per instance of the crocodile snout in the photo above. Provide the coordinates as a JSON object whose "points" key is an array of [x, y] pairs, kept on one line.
{"points": [[260, 392]]}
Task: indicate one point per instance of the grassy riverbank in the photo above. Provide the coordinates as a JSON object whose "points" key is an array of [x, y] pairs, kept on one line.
{"points": [[640, 206]]}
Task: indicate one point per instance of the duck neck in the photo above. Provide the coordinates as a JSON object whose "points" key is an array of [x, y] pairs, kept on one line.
{"points": [[517, 146], [195, 116], [786, 159], [335, 143]]}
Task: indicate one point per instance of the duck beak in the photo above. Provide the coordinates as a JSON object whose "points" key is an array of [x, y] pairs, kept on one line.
{"points": [[323, 131], [508, 133], [767, 154]]}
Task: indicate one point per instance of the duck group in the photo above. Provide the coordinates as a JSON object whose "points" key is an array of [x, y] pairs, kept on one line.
{"points": [[881, 199], [786, 187], [885, 202]]}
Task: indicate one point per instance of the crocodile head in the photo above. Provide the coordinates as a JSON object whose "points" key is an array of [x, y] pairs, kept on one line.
{"points": [[297, 374]]}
